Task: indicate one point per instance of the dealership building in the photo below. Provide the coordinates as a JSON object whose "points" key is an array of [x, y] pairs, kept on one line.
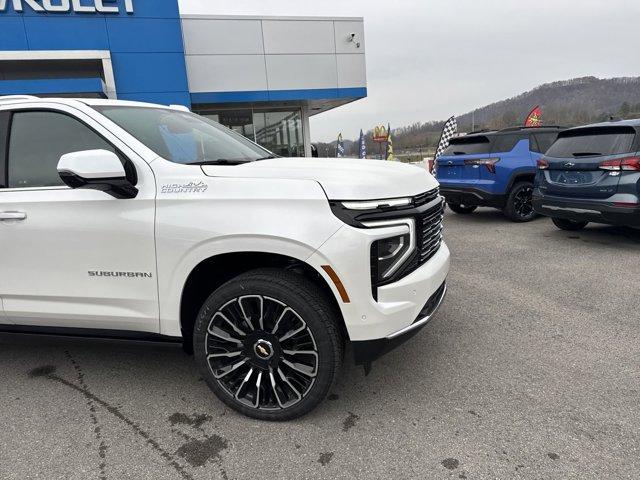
{"points": [[262, 76]]}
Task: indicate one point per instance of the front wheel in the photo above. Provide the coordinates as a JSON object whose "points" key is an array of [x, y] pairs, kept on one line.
{"points": [[570, 225], [462, 209], [519, 207], [268, 344]]}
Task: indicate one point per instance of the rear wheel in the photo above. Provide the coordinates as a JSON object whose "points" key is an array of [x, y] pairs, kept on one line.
{"points": [[461, 209], [570, 225], [268, 344], [519, 206]]}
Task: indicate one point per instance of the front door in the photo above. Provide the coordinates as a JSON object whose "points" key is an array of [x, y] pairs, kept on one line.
{"points": [[74, 258]]}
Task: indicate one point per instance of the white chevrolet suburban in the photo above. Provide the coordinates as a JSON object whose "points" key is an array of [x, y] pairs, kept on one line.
{"points": [[126, 219]]}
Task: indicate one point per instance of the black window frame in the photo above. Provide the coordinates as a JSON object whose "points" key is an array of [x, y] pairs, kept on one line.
{"points": [[129, 167]]}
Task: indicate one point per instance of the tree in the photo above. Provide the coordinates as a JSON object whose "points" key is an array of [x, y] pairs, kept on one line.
{"points": [[625, 110], [510, 119]]}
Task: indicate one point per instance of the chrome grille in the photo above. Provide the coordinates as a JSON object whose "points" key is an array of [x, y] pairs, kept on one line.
{"points": [[429, 238], [426, 197], [430, 233]]}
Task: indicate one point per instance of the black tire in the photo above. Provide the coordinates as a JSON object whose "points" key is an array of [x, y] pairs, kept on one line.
{"points": [[519, 207], [462, 209], [288, 302], [570, 225]]}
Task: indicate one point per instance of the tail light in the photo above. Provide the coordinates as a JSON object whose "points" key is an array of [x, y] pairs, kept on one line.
{"points": [[490, 163], [543, 164], [628, 163]]}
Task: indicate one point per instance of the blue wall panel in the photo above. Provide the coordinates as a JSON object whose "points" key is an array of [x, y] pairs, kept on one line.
{"points": [[142, 9], [146, 47], [66, 33], [145, 35], [12, 34], [163, 98], [52, 86], [154, 8], [149, 72]]}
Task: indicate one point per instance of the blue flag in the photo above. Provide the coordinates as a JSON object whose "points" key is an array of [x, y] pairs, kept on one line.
{"points": [[340, 147], [362, 146]]}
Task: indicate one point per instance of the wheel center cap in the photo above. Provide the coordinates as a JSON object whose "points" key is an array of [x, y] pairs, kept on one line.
{"points": [[263, 349]]}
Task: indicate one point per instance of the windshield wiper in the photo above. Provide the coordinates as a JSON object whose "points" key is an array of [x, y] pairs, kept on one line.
{"points": [[266, 158], [220, 161], [587, 154]]}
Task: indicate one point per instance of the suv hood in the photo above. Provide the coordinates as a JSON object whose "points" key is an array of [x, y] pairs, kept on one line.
{"points": [[341, 178]]}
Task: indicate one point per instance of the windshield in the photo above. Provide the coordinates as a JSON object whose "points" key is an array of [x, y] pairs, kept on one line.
{"points": [[183, 137], [593, 142]]}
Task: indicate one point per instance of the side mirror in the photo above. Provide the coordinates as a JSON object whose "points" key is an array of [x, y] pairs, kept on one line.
{"points": [[96, 169]]}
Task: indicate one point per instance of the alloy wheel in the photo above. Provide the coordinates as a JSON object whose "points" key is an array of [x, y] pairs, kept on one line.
{"points": [[261, 352], [523, 202]]}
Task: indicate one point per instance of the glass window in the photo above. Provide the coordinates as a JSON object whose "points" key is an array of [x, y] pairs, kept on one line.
{"points": [[593, 142], [240, 121], [38, 140], [184, 137], [544, 141], [279, 131], [506, 143], [469, 145]]}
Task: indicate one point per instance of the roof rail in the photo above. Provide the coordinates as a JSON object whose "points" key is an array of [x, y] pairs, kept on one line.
{"points": [[13, 98]]}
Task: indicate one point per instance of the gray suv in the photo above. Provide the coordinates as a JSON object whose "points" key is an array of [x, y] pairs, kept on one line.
{"points": [[591, 174]]}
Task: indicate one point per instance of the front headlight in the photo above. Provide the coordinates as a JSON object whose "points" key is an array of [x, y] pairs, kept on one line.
{"points": [[389, 254]]}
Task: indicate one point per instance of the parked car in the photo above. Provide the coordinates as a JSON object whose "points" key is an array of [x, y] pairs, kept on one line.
{"points": [[494, 169], [135, 220], [591, 174]]}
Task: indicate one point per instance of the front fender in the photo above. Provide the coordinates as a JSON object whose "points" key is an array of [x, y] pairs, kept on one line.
{"points": [[230, 215], [172, 283]]}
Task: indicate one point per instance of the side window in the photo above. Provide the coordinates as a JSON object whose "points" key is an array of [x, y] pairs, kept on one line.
{"points": [[37, 141], [505, 143], [4, 126], [544, 141]]}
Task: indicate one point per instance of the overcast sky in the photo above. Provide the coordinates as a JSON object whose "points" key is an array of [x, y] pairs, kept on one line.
{"points": [[429, 59]]}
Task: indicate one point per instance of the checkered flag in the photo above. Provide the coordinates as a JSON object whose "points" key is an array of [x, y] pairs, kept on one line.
{"points": [[340, 147], [448, 132]]}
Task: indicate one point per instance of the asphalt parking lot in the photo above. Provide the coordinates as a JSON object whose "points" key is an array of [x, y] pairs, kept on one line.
{"points": [[531, 370]]}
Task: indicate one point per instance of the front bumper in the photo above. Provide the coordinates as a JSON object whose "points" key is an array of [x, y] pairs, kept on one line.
{"points": [[472, 197], [367, 351], [398, 303], [586, 211]]}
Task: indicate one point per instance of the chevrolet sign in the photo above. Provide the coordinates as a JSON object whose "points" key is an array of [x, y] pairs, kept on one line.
{"points": [[62, 6]]}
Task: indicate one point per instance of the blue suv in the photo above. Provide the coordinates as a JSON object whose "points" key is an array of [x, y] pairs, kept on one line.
{"points": [[494, 169]]}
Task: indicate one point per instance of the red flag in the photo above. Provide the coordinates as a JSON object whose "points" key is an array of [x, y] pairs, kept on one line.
{"points": [[534, 119]]}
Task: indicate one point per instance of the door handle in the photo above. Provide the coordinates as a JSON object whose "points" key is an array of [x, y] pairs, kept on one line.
{"points": [[4, 216]]}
